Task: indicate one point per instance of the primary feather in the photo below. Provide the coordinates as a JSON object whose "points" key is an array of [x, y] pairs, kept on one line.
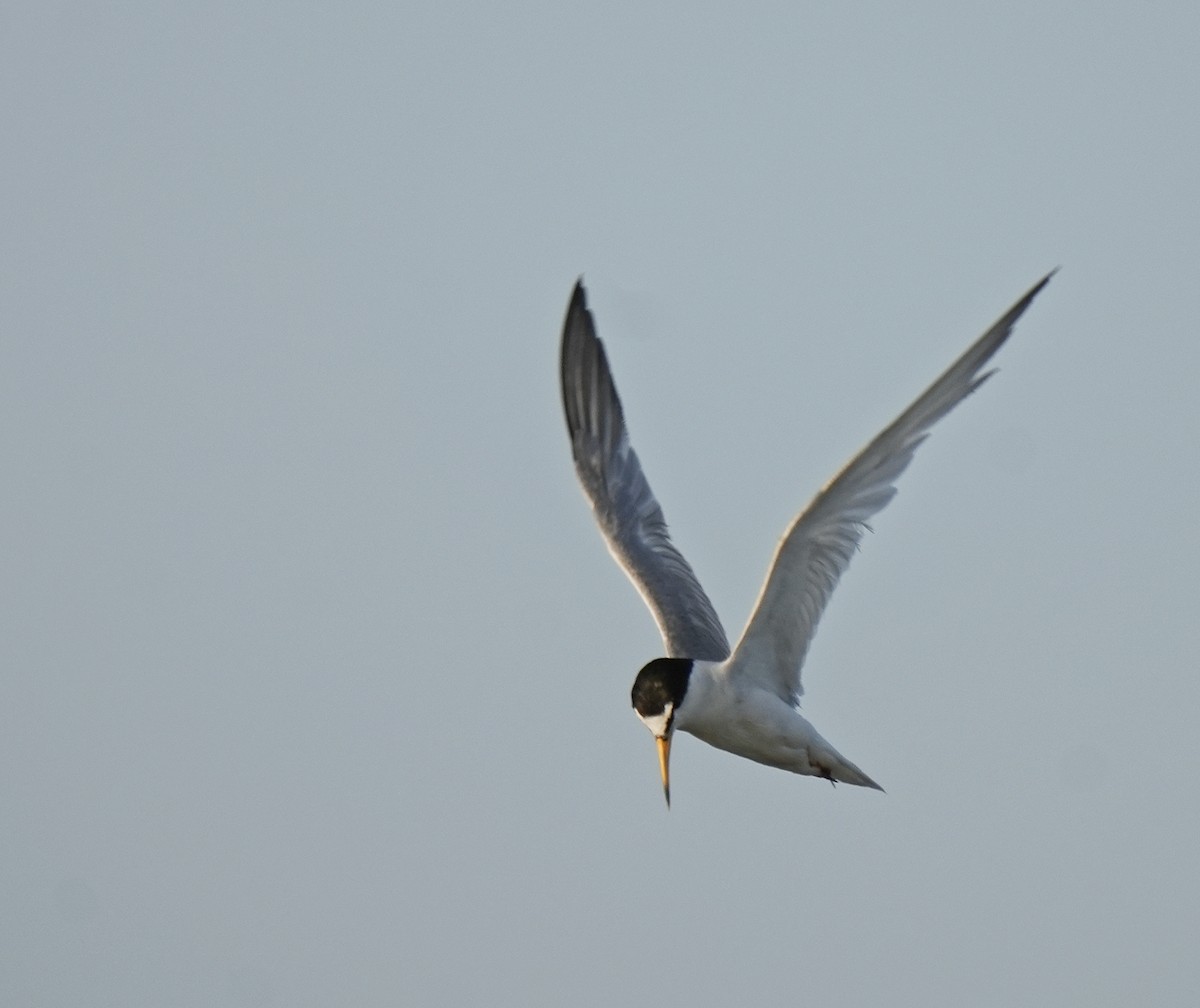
{"points": [[818, 546], [624, 505]]}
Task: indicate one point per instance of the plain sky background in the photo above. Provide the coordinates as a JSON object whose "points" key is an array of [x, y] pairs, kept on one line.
{"points": [[314, 670]]}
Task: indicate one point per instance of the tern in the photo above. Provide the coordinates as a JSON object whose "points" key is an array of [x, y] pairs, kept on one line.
{"points": [[745, 701]]}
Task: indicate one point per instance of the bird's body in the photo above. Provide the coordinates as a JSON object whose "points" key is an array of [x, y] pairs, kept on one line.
{"points": [[745, 700], [733, 713]]}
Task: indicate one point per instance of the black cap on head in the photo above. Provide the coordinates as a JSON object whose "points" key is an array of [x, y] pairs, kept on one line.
{"points": [[663, 681]]}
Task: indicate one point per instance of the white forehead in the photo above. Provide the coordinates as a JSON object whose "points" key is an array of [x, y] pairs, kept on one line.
{"points": [[657, 723]]}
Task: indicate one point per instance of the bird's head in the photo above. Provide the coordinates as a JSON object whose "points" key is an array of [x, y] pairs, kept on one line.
{"points": [[657, 695]]}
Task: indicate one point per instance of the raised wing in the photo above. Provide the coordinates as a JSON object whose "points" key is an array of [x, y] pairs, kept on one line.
{"points": [[817, 547], [621, 499]]}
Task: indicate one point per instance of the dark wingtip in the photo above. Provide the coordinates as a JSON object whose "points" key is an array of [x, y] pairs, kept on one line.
{"points": [[1004, 326], [577, 308], [583, 370], [579, 293], [1037, 287]]}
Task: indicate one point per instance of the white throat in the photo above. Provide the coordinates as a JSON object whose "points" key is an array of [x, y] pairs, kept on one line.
{"points": [[657, 723]]}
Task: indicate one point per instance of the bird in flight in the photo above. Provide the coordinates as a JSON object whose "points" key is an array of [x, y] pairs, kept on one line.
{"points": [[744, 701]]}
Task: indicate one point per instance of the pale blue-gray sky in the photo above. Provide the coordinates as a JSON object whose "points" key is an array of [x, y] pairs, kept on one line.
{"points": [[315, 670]]}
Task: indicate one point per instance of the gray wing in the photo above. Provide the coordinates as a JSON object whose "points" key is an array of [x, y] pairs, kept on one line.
{"points": [[817, 547], [623, 503]]}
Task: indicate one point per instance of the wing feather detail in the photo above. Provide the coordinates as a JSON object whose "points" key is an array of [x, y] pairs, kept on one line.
{"points": [[624, 506], [819, 544]]}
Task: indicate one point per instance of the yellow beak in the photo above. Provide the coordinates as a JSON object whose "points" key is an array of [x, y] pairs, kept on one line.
{"points": [[664, 764]]}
